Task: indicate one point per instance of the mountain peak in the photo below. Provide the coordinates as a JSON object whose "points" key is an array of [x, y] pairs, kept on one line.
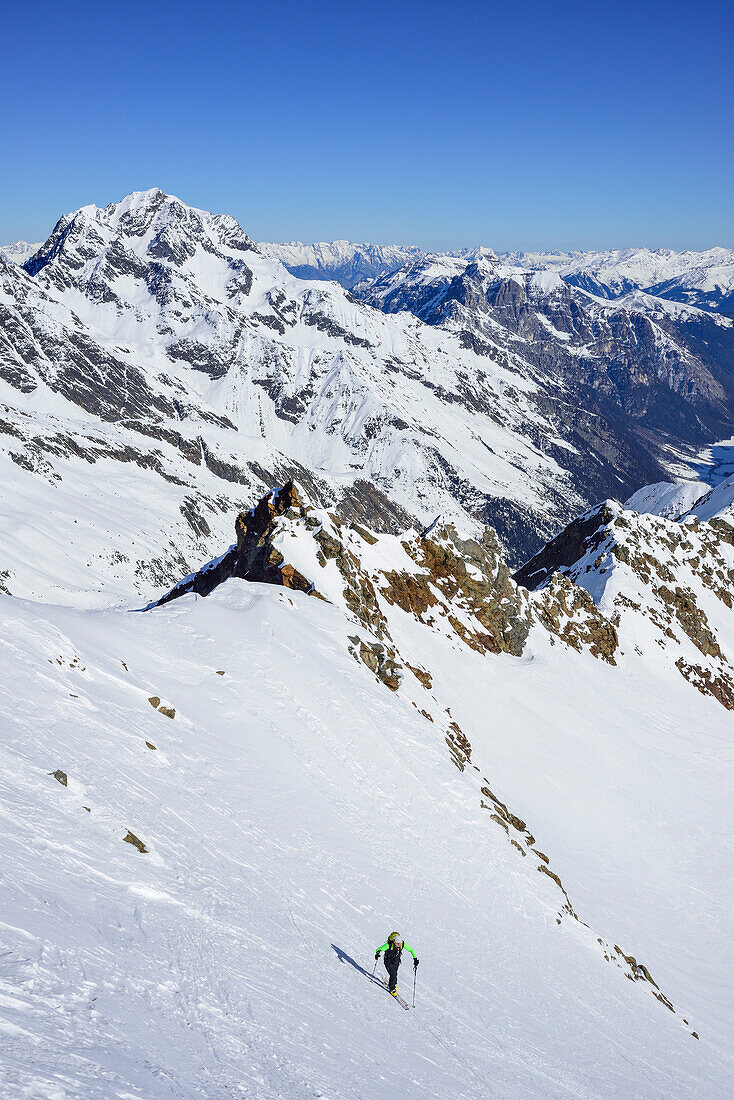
{"points": [[156, 226]]}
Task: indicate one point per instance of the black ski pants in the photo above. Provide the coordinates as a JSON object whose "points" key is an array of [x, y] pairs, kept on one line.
{"points": [[392, 962]]}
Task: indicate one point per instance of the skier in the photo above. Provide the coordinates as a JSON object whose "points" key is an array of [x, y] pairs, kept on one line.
{"points": [[393, 950]]}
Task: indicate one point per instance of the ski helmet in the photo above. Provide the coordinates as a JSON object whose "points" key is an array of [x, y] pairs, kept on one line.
{"points": [[395, 939]]}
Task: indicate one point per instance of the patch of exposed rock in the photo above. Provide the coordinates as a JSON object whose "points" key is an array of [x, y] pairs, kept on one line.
{"points": [[569, 612], [470, 583], [253, 557]]}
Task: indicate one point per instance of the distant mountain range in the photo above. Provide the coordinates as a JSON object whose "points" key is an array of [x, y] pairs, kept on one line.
{"points": [[18, 252], [704, 279]]}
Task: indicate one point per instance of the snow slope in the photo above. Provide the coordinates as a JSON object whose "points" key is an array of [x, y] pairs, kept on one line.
{"points": [[707, 497], [295, 811], [667, 498]]}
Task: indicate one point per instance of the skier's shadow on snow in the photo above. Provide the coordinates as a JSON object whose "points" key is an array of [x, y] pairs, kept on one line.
{"points": [[344, 958]]}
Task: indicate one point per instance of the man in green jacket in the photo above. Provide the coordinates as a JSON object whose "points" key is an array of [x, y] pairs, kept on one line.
{"points": [[393, 950]]}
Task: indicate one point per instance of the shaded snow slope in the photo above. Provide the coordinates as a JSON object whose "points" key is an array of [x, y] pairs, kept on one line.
{"points": [[719, 501], [342, 261]]}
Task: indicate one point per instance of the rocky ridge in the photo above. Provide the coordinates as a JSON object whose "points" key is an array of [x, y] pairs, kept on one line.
{"points": [[459, 588], [667, 583], [608, 575]]}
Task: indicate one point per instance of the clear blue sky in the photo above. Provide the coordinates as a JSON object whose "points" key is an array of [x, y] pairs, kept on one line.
{"points": [[511, 124]]}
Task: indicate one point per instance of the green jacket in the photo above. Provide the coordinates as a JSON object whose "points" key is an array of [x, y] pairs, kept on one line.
{"points": [[387, 946]]}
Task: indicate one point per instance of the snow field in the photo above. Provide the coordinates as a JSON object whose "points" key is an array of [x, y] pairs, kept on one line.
{"points": [[295, 811]]}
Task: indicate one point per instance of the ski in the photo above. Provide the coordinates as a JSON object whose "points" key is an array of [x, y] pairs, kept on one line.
{"points": [[397, 996]]}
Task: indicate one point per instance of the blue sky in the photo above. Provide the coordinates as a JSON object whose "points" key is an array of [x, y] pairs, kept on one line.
{"points": [[515, 125]]}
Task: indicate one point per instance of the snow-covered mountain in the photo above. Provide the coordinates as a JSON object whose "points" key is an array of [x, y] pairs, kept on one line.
{"points": [[342, 261], [155, 342], [703, 279], [149, 351], [18, 252], [354, 732], [158, 344], [663, 368]]}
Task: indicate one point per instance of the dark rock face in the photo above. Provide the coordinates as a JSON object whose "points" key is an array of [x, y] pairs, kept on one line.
{"points": [[567, 548], [520, 531], [364, 502], [253, 557], [255, 553]]}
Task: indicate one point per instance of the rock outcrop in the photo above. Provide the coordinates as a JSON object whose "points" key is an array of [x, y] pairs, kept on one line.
{"points": [[676, 575], [663, 571], [460, 587], [253, 557]]}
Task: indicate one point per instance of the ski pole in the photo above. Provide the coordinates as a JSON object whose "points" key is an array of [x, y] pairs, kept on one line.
{"points": [[415, 975], [374, 968]]}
